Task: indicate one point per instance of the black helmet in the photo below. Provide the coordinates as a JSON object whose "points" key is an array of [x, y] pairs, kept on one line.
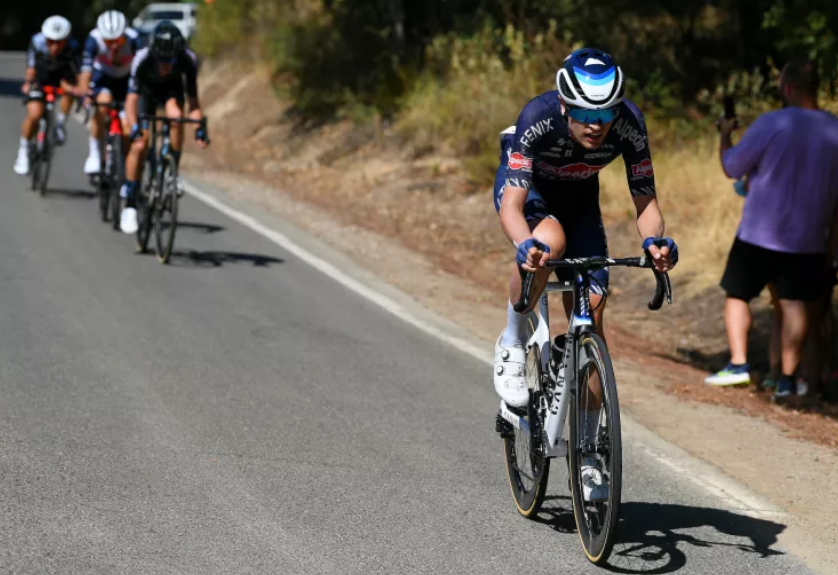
{"points": [[166, 41]]}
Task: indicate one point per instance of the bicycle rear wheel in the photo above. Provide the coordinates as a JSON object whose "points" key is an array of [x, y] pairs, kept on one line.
{"points": [[103, 185], [596, 441], [46, 160], [165, 214], [117, 177], [527, 467]]}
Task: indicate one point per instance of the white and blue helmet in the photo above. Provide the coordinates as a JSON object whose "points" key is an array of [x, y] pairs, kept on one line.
{"points": [[590, 79]]}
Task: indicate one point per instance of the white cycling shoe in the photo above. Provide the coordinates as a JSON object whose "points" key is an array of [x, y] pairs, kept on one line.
{"points": [[22, 162], [510, 376], [92, 164], [594, 486], [128, 221]]}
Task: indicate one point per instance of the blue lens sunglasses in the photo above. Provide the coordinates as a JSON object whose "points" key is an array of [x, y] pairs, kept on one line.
{"points": [[592, 116]]}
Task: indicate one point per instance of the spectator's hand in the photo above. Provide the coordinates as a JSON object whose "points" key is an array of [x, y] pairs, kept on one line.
{"points": [[727, 126], [532, 255], [665, 257]]}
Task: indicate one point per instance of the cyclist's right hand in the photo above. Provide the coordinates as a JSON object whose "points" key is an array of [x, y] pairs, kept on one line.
{"points": [[532, 255], [135, 132]]}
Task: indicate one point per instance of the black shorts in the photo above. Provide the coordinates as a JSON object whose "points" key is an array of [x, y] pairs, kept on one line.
{"points": [[53, 78], [118, 87], [153, 98], [802, 277]]}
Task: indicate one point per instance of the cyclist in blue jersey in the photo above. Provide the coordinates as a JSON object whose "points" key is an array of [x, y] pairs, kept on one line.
{"points": [[547, 191], [106, 67], [52, 61]]}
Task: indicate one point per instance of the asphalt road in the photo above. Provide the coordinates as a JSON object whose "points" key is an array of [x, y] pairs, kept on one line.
{"points": [[238, 412]]}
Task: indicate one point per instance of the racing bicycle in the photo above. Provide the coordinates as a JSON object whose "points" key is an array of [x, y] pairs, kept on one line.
{"points": [[41, 150], [570, 380]]}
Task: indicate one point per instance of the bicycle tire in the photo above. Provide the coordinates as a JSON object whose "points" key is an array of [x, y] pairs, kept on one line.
{"points": [[528, 486], [35, 166], [146, 205], [165, 220], [596, 523], [116, 178], [103, 185], [46, 160]]}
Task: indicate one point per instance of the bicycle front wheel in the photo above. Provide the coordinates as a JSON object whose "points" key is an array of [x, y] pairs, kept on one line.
{"points": [[595, 456], [146, 204], [165, 215], [527, 467]]}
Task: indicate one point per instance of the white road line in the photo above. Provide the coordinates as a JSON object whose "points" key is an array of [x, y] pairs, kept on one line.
{"points": [[674, 458]]}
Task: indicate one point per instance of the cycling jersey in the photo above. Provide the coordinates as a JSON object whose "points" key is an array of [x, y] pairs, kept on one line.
{"points": [[146, 78], [50, 70], [542, 152], [112, 62], [562, 177]]}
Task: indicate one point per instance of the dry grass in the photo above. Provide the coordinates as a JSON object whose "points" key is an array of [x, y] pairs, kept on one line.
{"points": [[698, 202]]}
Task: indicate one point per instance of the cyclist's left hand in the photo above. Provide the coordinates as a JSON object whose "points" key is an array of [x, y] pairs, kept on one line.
{"points": [[665, 257], [202, 138]]}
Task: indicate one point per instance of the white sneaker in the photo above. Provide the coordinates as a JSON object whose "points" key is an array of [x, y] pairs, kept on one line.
{"points": [[510, 379], [22, 162], [594, 487], [128, 221], [93, 164]]}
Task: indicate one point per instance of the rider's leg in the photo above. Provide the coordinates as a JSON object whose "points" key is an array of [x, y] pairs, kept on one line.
{"points": [[134, 160], [548, 231], [174, 110], [64, 106], [34, 111], [97, 132]]}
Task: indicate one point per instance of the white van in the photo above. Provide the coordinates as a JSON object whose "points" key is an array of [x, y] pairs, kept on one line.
{"points": [[183, 15]]}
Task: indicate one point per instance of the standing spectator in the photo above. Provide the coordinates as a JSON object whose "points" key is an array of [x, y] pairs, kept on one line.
{"points": [[784, 238]]}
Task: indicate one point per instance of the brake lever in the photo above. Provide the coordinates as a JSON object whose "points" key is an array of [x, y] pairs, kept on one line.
{"points": [[526, 289]]}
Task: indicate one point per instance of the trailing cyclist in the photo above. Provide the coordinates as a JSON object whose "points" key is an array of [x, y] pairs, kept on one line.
{"points": [[163, 75], [547, 195], [106, 67], [52, 61]]}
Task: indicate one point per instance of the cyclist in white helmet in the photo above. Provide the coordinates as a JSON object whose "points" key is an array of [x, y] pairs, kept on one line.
{"points": [[547, 196], [52, 61], [106, 67]]}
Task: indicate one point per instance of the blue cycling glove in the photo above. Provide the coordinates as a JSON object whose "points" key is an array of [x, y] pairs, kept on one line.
{"points": [[135, 132], [201, 135], [663, 242], [525, 247]]}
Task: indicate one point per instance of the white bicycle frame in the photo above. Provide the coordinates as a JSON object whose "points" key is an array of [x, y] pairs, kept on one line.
{"points": [[554, 444]]}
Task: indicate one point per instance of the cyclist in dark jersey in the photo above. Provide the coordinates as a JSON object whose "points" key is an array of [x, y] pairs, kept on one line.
{"points": [[52, 61], [163, 75], [547, 190]]}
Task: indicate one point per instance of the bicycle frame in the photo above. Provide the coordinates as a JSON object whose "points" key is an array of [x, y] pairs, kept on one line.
{"points": [[557, 381]]}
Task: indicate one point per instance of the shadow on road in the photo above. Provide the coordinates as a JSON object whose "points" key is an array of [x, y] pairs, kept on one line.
{"points": [[654, 538], [72, 193], [201, 227], [11, 87], [215, 259]]}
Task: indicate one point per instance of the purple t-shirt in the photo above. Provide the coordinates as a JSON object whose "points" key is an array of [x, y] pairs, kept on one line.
{"points": [[791, 156]]}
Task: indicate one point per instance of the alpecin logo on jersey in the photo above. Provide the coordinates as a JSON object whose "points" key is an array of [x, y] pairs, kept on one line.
{"points": [[517, 161], [642, 170], [578, 171], [627, 132]]}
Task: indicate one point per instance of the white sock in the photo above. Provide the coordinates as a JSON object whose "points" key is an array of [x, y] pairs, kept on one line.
{"points": [[94, 146], [24, 143], [61, 118], [515, 334]]}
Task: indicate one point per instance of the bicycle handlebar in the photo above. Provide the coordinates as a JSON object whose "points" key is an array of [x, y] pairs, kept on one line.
{"points": [[154, 118], [663, 287]]}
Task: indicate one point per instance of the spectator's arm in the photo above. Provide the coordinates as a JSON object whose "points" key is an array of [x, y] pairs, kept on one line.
{"points": [[740, 159]]}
